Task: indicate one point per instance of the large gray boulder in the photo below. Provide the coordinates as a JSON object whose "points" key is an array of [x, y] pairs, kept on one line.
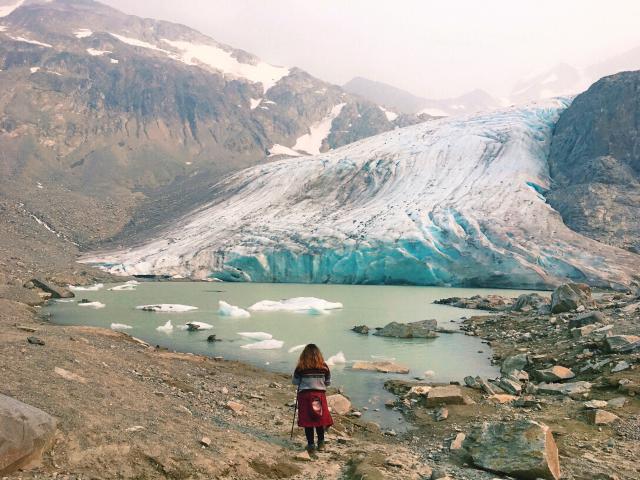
{"points": [[25, 432], [530, 301], [522, 449], [570, 296], [419, 329], [515, 362], [55, 290]]}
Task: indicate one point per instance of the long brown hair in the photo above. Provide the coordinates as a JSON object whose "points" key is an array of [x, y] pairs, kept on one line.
{"points": [[311, 359]]}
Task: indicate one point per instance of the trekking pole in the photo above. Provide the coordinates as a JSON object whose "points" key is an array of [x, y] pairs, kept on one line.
{"points": [[295, 408]]}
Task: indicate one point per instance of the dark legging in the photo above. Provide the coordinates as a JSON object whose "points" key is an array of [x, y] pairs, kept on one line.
{"points": [[308, 431]]}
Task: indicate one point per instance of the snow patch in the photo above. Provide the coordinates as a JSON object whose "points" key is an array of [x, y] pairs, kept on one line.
{"points": [[120, 326], [254, 102], [227, 310], [139, 43], [6, 10], [97, 53], [113, 60], [28, 40], [34, 70], [256, 335], [264, 345], [224, 61], [282, 150], [83, 33], [434, 112], [166, 308], [391, 116], [310, 305], [318, 132]]}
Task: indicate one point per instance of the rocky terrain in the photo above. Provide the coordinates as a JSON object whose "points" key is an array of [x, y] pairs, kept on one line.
{"points": [[595, 162]]}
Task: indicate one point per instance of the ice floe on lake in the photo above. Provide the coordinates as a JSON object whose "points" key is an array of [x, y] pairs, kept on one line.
{"points": [[89, 288], [120, 326], [166, 308], [309, 305], [167, 327], [198, 326], [95, 305], [126, 287], [337, 359], [227, 310], [264, 345], [256, 335], [297, 348]]}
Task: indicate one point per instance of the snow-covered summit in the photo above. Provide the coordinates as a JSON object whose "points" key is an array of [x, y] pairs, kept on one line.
{"points": [[449, 202]]}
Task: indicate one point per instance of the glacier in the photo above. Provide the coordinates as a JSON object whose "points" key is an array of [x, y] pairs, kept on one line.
{"points": [[453, 202]]}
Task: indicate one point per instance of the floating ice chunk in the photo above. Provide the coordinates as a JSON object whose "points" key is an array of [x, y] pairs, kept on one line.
{"points": [[264, 345], [317, 311], [227, 310], [127, 287], [95, 305], [120, 326], [91, 288], [166, 308], [337, 359], [429, 374], [297, 348], [64, 300], [309, 305], [256, 335], [198, 326], [167, 327]]}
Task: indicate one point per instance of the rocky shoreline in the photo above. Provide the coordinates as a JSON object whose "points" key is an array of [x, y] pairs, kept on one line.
{"points": [[125, 409]]}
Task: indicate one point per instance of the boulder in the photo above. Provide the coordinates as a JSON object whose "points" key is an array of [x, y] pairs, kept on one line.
{"points": [[419, 329], [54, 290], [622, 343], [25, 432], [556, 373], [522, 449], [418, 391], [456, 443], [493, 303], [595, 404], [502, 398], [441, 414], [515, 362], [448, 395], [380, 366], [570, 296], [588, 318], [510, 386], [601, 417], [362, 329], [339, 404], [570, 389], [235, 407], [583, 331], [529, 301]]}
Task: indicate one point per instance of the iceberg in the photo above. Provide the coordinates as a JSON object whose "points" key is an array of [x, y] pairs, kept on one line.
{"points": [[125, 287], [198, 326], [337, 359], [91, 288], [297, 348], [167, 327], [96, 305], [227, 310], [120, 326], [256, 335], [166, 308], [310, 305], [264, 345], [445, 202]]}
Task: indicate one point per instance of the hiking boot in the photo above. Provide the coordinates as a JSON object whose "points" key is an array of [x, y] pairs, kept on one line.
{"points": [[311, 449], [321, 447]]}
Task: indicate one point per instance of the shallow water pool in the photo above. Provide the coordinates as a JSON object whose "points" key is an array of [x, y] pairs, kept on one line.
{"points": [[449, 357]]}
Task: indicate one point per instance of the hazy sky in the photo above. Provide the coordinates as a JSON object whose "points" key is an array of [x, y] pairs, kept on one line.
{"points": [[431, 48]]}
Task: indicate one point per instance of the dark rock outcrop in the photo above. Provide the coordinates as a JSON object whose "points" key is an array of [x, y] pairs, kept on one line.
{"points": [[570, 296], [55, 290], [595, 162], [419, 329]]}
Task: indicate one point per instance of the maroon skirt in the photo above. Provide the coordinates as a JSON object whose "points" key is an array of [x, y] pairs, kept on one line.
{"points": [[313, 410]]}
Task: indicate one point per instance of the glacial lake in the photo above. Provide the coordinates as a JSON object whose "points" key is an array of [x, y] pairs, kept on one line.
{"points": [[448, 357]]}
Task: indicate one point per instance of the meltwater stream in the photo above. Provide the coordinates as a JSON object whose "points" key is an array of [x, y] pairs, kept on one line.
{"points": [[449, 357]]}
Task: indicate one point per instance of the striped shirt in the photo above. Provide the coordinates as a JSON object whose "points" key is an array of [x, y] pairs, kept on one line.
{"points": [[312, 379]]}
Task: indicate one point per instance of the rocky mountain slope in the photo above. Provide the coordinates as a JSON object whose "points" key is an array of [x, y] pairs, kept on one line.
{"points": [[105, 117], [595, 162], [447, 202], [402, 101]]}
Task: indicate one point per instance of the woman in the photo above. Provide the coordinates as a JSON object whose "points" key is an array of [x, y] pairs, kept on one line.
{"points": [[312, 376]]}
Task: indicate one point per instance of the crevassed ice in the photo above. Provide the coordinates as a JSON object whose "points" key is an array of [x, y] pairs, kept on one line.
{"points": [[445, 202]]}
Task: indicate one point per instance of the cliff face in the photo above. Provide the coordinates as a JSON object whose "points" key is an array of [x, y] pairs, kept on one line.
{"points": [[106, 116], [595, 162]]}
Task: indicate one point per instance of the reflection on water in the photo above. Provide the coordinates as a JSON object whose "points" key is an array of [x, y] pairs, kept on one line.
{"points": [[449, 357]]}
